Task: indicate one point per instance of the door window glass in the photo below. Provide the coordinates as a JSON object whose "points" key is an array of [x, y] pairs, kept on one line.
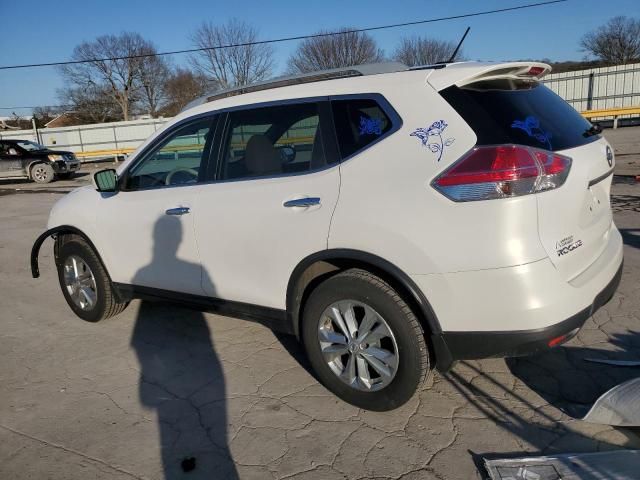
{"points": [[178, 160], [269, 141], [359, 123], [526, 113]]}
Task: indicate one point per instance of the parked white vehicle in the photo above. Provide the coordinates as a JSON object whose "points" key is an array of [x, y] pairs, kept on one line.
{"points": [[393, 219]]}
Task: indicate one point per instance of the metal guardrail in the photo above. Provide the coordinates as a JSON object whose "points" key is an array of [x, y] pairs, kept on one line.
{"points": [[115, 153], [611, 112], [104, 153]]}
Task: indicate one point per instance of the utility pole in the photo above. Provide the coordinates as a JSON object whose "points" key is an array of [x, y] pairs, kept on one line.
{"points": [[36, 134]]}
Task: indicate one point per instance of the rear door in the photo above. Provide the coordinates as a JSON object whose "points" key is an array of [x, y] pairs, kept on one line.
{"points": [[573, 220], [271, 203]]}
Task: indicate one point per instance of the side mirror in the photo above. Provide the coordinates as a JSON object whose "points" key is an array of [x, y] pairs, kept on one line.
{"points": [[105, 180]]}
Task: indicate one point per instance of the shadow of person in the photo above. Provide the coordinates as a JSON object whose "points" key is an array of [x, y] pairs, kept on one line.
{"points": [[181, 377]]}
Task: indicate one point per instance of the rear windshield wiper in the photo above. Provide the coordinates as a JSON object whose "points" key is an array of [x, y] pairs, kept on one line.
{"points": [[592, 130]]}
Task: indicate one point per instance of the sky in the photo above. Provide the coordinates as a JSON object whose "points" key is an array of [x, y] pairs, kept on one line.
{"points": [[46, 31]]}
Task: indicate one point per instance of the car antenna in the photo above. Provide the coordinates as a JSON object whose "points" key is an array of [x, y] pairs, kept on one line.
{"points": [[455, 52]]}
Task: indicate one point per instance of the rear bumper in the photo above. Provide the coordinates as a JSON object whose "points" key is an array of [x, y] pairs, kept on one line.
{"points": [[517, 310], [475, 345]]}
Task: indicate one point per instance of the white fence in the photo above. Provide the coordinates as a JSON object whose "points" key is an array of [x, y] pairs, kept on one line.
{"points": [[592, 89], [598, 88], [92, 138]]}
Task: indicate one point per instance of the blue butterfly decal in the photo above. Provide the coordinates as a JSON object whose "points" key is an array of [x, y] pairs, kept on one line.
{"points": [[531, 126], [431, 137], [370, 126]]}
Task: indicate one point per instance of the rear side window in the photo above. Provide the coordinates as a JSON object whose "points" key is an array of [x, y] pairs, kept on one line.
{"points": [[525, 113], [359, 123], [272, 141]]}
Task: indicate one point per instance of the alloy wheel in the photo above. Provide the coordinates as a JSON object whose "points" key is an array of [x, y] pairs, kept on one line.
{"points": [[358, 345], [40, 174], [80, 283]]}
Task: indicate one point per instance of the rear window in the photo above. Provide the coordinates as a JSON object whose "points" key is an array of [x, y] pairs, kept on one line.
{"points": [[526, 113], [359, 123]]}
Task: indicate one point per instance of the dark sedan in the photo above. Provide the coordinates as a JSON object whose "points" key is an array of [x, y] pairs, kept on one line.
{"points": [[26, 159]]}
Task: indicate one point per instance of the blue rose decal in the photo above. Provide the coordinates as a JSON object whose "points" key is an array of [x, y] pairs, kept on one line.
{"points": [[531, 126], [431, 137]]}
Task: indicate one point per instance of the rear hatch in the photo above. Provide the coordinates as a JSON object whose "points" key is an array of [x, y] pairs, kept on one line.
{"points": [[509, 105]]}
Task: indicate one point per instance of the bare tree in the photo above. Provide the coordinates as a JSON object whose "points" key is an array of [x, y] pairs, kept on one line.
{"points": [[233, 66], [616, 42], [344, 49], [414, 51], [110, 66], [16, 122], [181, 87], [154, 73], [44, 114], [91, 104]]}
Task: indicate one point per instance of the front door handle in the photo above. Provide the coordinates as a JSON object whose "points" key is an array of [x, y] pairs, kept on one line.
{"points": [[302, 202], [178, 211]]}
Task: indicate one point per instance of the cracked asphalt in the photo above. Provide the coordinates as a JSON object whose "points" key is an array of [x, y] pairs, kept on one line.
{"points": [[134, 396]]}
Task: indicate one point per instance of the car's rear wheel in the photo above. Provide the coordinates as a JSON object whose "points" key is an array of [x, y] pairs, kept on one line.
{"points": [[84, 281], [364, 342], [42, 173]]}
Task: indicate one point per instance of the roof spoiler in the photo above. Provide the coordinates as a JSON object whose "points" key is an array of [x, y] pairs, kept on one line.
{"points": [[467, 73]]}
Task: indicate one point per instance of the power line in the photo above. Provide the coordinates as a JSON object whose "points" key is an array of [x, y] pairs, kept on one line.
{"points": [[37, 106], [288, 39]]}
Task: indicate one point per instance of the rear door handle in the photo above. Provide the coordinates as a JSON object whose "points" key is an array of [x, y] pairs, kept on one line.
{"points": [[302, 202], [178, 211]]}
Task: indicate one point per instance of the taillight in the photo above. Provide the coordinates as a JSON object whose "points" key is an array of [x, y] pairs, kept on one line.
{"points": [[502, 171]]}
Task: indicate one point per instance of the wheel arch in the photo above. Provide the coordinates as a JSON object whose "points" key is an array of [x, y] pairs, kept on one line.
{"points": [[321, 265], [55, 232]]}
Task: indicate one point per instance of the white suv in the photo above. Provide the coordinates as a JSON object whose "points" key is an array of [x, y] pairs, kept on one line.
{"points": [[393, 219]]}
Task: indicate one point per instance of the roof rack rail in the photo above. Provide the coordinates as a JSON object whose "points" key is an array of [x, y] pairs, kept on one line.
{"points": [[335, 73]]}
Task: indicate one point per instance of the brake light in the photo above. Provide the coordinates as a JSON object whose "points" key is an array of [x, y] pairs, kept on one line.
{"points": [[535, 71], [502, 171]]}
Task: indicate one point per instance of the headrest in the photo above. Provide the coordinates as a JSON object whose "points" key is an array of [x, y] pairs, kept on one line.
{"points": [[260, 156]]}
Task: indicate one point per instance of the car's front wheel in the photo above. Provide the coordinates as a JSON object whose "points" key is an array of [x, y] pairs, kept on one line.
{"points": [[84, 281], [42, 173], [364, 342]]}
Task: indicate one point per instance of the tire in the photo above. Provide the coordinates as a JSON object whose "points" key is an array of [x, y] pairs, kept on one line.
{"points": [[74, 249], [366, 295], [42, 173], [65, 176]]}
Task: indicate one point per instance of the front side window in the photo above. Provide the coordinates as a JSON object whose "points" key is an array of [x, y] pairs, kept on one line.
{"points": [[268, 141], [178, 160], [30, 146], [359, 123]]}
